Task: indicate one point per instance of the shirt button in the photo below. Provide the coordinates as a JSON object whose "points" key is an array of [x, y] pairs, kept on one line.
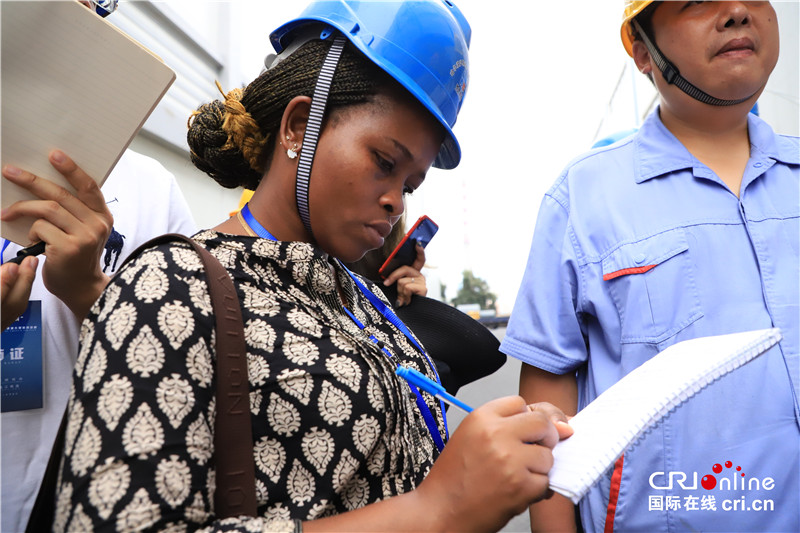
{"points": [[640, 258], [758, 164]]}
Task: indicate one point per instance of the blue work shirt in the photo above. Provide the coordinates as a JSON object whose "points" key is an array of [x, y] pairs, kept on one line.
{"points": [[638, 246]]}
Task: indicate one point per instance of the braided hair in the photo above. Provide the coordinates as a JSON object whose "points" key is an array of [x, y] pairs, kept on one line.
{"points": [[232, 140]]}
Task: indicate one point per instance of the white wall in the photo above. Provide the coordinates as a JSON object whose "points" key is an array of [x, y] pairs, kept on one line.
{"points": [[199, 40], [779, 104]]}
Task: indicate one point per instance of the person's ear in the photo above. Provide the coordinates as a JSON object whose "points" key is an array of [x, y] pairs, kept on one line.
{"points": [[642, 57], [294, 122]]}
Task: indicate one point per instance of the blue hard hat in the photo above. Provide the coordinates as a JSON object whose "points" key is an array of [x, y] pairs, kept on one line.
{"points": [[423, 44]]}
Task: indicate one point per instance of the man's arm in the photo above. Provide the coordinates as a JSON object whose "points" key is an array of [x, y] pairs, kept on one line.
{"points": [[536, 385]]}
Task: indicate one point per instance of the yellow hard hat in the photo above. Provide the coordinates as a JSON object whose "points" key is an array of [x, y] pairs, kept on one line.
{"points": [[632, 8]]}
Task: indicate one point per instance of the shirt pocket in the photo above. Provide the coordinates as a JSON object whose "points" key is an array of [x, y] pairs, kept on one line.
{"points": [[653, 285]]}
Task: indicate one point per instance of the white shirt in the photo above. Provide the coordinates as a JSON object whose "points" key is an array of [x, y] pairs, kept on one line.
{"points": [[145, 201]]}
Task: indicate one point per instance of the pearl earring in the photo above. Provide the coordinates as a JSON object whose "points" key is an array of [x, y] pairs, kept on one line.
{"points": [[292, 152]]}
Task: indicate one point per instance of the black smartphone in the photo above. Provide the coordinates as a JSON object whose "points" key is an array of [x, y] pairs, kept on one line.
{"points": [[405, 253]]}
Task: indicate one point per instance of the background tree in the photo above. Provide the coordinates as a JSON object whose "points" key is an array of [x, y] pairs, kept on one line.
{"points": [[475, 290]]}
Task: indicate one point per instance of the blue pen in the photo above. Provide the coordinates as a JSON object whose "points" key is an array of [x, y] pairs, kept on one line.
{"points": [[422, 382]]}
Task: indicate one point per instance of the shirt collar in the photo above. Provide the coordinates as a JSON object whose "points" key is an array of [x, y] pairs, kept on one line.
{"points": [[659, 152], [765, 144]]}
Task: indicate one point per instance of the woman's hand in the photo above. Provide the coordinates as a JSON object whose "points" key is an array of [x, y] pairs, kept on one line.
{"points": [[15, 288], [74, 228], [409, 279], [495, 465]]}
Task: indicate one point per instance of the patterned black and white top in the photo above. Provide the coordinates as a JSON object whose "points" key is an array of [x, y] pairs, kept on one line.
{"points": [[334, 428]]}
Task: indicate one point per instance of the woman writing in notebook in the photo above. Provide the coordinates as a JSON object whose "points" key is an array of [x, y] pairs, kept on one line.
{"points": [[339, 441]]}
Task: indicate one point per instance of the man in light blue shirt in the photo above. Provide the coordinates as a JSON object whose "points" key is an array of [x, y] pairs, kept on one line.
{"points": [[689, 228]]}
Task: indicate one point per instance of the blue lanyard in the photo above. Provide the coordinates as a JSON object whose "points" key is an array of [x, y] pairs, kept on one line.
{"points": [[6, 242], [389, 315], [371, 337], [255, 225]]}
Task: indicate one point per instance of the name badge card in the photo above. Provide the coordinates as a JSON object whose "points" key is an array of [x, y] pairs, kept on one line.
{"points": [[21, 360]]}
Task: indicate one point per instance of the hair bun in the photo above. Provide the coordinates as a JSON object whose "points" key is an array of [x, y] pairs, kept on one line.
{"points": [[212, 153]]}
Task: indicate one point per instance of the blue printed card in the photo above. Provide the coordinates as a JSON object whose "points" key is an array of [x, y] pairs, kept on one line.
{"points": [[21, 360]]}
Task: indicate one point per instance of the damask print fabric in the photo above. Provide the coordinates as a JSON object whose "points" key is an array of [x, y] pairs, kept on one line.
{"points": [[334, 428]]}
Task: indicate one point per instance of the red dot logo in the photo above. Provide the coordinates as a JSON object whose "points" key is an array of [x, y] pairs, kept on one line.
{"points": [[708, 482]]}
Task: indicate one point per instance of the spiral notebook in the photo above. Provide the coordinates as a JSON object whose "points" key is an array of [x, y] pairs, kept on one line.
{"points": [[72, 81], [606, 427]]}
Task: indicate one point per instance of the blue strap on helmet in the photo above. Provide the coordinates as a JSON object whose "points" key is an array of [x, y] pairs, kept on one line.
{"points": [[311, 135]]}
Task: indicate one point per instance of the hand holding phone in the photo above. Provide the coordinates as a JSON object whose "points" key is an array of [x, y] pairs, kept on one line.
{"points": [[404, 254]]}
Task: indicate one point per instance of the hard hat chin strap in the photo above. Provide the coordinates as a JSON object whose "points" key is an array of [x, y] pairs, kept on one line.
{"points": [[673, 76], [311, 135]]}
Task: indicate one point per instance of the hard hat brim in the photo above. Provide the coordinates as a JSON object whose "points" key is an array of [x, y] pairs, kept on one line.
{"points": [[632, 10]]}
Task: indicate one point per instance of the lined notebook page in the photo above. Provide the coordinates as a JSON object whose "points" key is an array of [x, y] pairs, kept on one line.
{"points": [[619, 416], [72, 81]]}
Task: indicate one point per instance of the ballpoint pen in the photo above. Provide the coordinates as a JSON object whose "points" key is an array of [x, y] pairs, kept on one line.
{"points": [[422, 382], [35, 249]]}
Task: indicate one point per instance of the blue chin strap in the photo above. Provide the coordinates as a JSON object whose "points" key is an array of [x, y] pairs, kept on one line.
{"points": [[314, 126], [673, 76]]}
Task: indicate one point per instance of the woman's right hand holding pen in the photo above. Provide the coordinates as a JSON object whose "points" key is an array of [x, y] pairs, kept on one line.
{"points": [[495, 465]]}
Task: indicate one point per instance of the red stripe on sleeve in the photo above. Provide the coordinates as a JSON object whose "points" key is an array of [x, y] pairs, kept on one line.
{"points": [[613, 495]]}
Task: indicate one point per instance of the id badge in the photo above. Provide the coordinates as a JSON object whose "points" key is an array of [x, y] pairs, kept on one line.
{"points": [[21, 361]]}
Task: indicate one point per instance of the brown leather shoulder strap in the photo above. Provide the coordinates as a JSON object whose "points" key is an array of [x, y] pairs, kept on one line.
{"points": [[233, 433]]}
